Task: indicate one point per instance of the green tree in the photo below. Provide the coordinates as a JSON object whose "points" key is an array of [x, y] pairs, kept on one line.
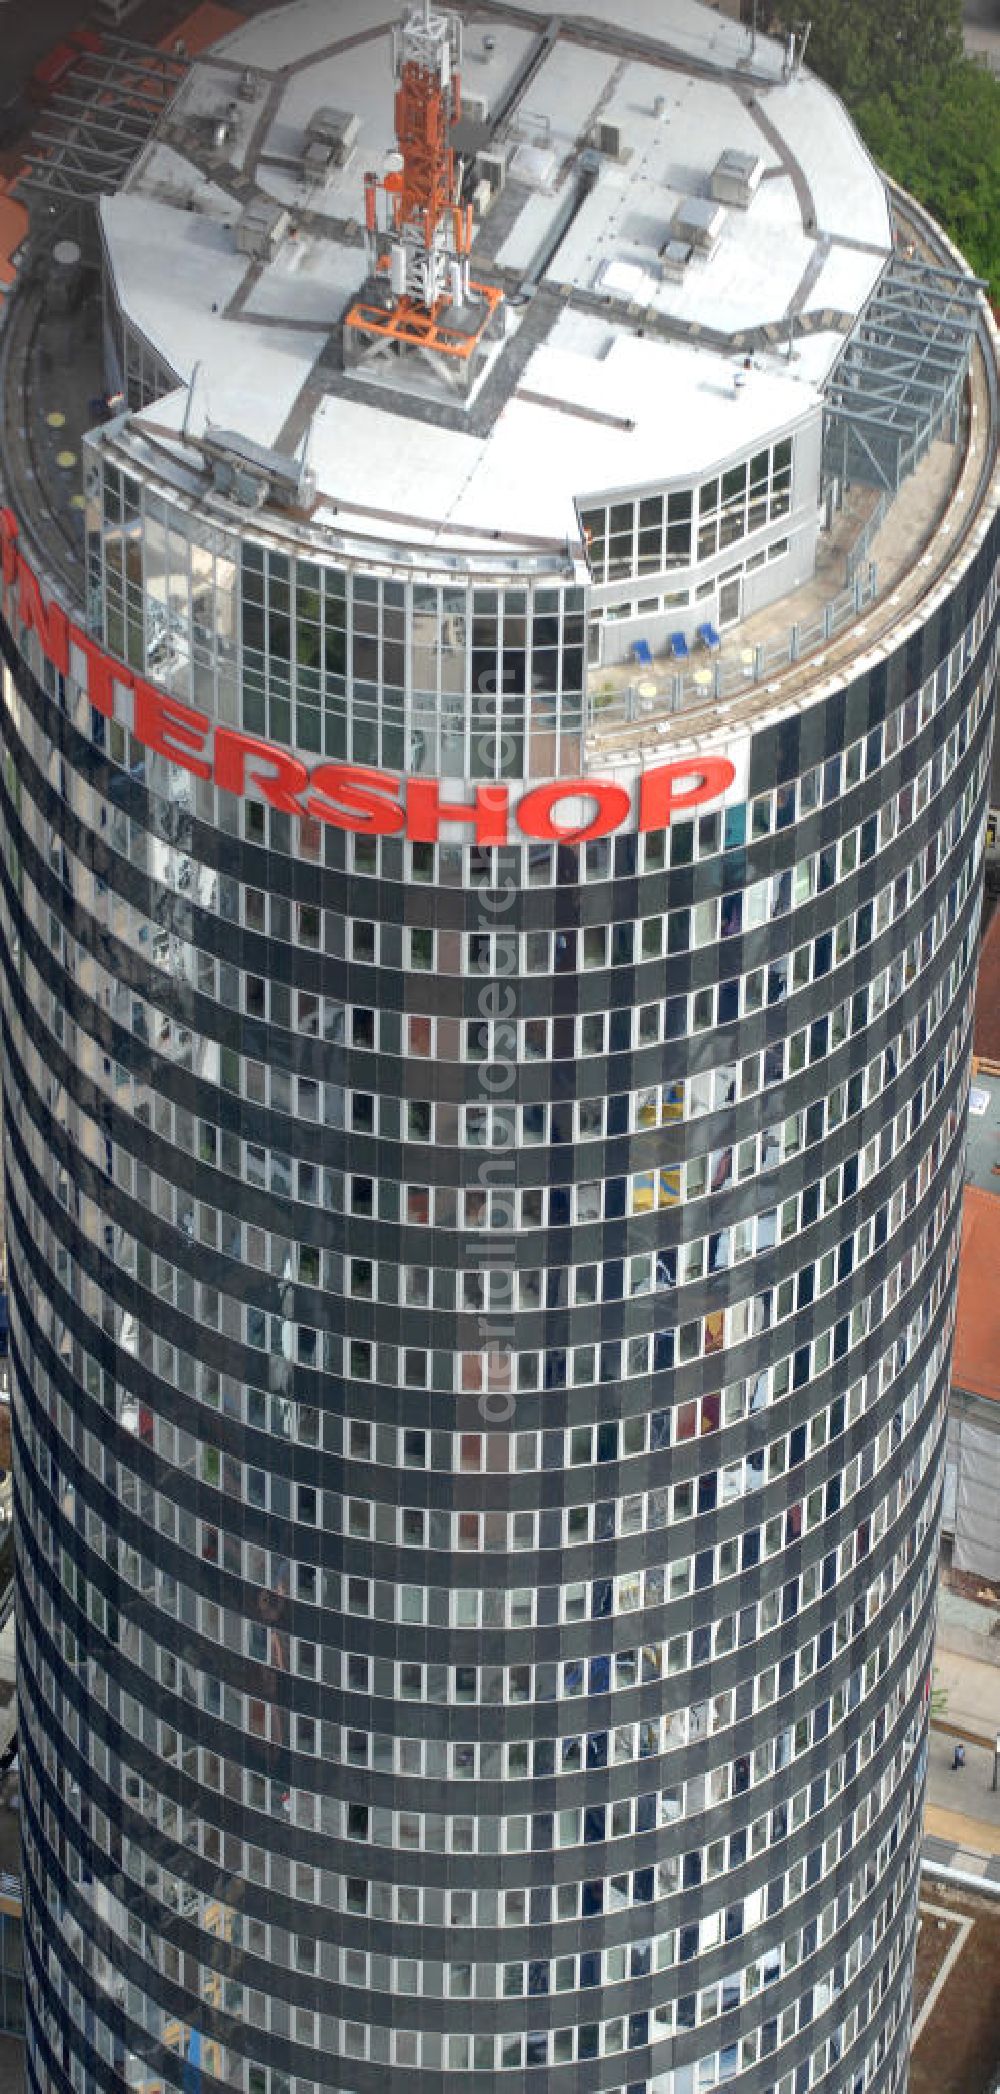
{"points": [[941, 139], [872, 47]]}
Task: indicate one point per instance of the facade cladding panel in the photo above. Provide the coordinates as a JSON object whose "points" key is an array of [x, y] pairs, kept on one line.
{"points": [[481, 1318]]}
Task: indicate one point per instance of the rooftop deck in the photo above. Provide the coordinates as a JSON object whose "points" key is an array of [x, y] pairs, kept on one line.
{"points": [[819, 625], [766, 662]]}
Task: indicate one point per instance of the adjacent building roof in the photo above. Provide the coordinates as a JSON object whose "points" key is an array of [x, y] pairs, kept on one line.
{"points": [[976, 1359], [202, 28], [982, 1160]]}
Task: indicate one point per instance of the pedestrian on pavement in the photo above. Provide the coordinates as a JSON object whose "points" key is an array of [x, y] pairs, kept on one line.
{"points": [[959, 1759]]}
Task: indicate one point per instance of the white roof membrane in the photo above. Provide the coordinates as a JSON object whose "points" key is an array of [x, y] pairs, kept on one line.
{"points": [[626, 379]]}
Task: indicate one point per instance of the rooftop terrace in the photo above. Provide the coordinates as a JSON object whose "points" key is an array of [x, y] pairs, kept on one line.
{"points": [[882, 560]]}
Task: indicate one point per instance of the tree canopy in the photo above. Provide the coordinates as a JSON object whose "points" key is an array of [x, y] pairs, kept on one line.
{"points": [[872, 47], [940, 138]]}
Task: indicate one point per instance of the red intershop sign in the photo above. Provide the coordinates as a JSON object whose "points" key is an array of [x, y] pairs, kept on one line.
{"points": [[351, 796]]}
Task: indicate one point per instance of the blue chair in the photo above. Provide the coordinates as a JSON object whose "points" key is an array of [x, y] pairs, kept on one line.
{"points": [[642, 653], [679, 647], [709, 637]]}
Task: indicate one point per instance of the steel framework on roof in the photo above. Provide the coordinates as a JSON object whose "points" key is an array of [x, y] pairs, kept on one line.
{"points": [[97, 122], [897, 383]]}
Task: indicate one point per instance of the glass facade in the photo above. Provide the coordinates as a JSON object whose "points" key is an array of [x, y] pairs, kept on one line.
{"points": [[655, 534], [481, 1326], [11, 1962], [459, 678]]}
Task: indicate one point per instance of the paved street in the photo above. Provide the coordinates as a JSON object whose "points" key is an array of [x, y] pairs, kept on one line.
{"points": [[967, 1693], [963, 1809]]}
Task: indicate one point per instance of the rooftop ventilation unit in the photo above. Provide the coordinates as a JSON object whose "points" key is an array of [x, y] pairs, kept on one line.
{"points": [[737, 178], [492, 168], [536, 166], [261, 227], [476, 109], [698, 221], [250, 475], [331, 136], [619, 278], [674, 259], [609, 140], [223, 129]]}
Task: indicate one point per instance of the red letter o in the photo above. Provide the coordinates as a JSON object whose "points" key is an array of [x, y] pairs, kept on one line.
{"points": [[534, 813]]}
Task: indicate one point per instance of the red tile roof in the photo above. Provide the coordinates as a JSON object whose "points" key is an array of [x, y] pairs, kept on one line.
{"points": [[203, 28], [13, 229], [975, 1365]]}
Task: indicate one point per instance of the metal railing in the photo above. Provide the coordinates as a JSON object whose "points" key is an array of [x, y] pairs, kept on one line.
{"points": [[858, 555], [710, 677]]}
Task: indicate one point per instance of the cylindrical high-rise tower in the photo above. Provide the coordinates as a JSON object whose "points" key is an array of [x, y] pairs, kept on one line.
{"points": [[490, 875]]}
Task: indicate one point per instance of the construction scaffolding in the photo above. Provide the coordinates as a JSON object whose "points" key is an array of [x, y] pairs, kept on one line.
{"points": [[897, 384]]}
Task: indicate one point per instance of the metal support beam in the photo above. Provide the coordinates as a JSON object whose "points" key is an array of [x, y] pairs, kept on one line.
{"points": [[891, 411], [95, 137], [101, 118], [910, 266], [99, 121], [123, 60], [902, 312], [900, 374], [877, 379], [75, 148], [892, 358], [131, 141], [861, 407]]}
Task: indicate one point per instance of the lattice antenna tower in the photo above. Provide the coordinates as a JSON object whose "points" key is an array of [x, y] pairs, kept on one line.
{"points": [[421, 300], [429, 229]]}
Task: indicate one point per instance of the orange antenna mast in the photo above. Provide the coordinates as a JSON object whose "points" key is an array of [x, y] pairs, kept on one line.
{"points": [[423, 198], [418, 230]]}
